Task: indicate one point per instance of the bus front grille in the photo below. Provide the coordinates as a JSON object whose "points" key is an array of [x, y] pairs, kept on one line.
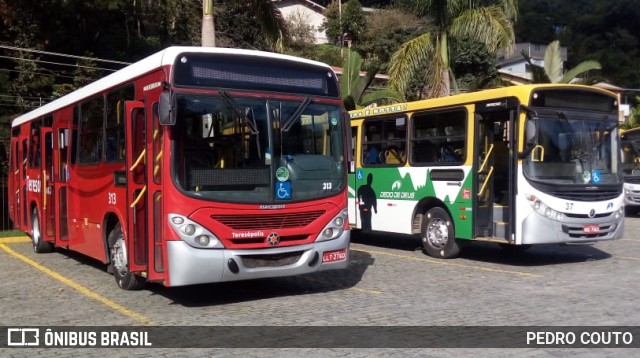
{"points": [[584, 195], [275, 260], [268, 221]]}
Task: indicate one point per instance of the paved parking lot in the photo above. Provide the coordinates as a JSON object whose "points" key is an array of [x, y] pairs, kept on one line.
{"points": [[390, 282]]}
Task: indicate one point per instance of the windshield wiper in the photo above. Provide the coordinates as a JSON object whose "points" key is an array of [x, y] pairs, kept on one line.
{"points": [[246, 118], [288, 123]]}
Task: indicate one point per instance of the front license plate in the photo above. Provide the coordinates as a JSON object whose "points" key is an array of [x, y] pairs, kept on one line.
{"points": [[591, 229], [333, 256]]}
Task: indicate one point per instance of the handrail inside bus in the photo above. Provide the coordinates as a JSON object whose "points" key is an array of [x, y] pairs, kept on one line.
{"points": [[486, 159], [44, 186], [533, 154], [486, 180], [142, 155], [140, 195]]}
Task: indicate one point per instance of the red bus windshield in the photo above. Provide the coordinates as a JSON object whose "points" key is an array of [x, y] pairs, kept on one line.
{"points": [[241, 149]]}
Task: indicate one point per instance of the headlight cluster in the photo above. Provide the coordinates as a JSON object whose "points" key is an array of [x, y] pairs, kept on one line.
{"points": [[193, 233], [620, 213], [544, 210], [334, 228]]}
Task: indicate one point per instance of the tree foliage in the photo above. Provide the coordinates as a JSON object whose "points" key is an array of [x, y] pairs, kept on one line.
{"points": [[553, 70], [357, 90], [605, 31], [489, 23], [351, 22]]}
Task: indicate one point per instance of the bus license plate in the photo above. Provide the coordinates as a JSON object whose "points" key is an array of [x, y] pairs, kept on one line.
{"points": [[333, 256], [591, 228]]}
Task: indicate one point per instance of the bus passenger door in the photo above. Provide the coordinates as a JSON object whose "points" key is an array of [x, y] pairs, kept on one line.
{"points": [[48, 197], [136, 224], [494, 165], [61, 174], [16, 159]]}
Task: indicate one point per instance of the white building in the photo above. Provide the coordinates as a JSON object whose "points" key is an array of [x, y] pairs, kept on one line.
{"points": [[305, 9]]}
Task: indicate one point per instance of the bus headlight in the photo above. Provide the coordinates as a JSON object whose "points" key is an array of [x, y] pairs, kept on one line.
{"points": [[619, 213], [334, 228], [542, 209], [193, 233]]}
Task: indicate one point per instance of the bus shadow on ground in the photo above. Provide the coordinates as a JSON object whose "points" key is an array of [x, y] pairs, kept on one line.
{"points": [[537, 255], [266, 288], [249, 290]]}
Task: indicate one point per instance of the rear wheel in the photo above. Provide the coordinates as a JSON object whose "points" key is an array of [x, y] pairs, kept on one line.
{"points": [[125, 279], [39, 246], [438, 234]]}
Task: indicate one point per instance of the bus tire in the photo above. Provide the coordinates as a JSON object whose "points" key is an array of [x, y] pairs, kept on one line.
{"points": [[39, 246], [438, 234], [119, 261]]}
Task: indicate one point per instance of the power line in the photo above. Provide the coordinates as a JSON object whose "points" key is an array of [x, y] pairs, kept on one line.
{"points": [[37, 73], [63, 55], [58, 63]]}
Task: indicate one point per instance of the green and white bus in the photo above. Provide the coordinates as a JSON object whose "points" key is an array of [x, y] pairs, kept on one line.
{"points": [[521, 165]]}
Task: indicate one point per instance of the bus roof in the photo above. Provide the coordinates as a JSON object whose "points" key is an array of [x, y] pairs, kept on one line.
{"points": [[459, 99], [144, 66]]}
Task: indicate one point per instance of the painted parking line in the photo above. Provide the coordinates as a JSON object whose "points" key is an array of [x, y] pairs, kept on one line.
{"points": [[78, 287], [629, 258], [449, 263], [14, 240]]}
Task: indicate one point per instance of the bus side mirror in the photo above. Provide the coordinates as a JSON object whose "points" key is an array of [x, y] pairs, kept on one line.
{"points": [[166, 113]]}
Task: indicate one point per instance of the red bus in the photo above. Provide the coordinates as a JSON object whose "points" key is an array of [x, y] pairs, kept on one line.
{"points": [[193, 165]]}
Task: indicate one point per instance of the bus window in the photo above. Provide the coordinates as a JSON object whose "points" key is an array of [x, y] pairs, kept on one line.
{"points": [[439, 137], [384, 141], [91, 124], [34, 146]]}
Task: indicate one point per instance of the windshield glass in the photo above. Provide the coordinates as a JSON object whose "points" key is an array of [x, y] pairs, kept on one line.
{"points": [[573, 150], [630, 143], [250, 150]]}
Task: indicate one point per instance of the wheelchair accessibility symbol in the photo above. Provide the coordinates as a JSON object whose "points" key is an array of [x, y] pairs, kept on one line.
{"points": [[283, 190], [595, 177]]}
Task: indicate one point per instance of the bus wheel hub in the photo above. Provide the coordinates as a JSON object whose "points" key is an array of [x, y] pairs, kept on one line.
{"points": [[438, 233]]}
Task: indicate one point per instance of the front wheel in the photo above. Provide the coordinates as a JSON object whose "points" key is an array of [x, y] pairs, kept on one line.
{"points": [[39, 246], [438, 234], [125, 279]]}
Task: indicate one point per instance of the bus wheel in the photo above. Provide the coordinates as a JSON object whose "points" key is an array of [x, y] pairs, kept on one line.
{"points": [[438, 234], [39, 246], [125, 279]]}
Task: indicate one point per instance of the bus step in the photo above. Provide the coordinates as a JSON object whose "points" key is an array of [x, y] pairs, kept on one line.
{"points": [[500, 230], [500, 212]]}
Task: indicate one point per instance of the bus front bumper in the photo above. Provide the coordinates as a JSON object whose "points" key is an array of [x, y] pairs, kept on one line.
{"points": [[188, 265], [631, 194], [538, 229]]}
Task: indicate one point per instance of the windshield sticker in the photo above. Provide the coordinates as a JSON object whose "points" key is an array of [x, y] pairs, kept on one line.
{"points": [[282, 174], [595, 176], [283, 190], [586, 176], [334, 121]]}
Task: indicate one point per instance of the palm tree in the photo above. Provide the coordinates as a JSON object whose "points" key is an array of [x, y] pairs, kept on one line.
{"points": [[268, 18], [208, 28], [490, 25], [552, 71], [356, 90]]}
